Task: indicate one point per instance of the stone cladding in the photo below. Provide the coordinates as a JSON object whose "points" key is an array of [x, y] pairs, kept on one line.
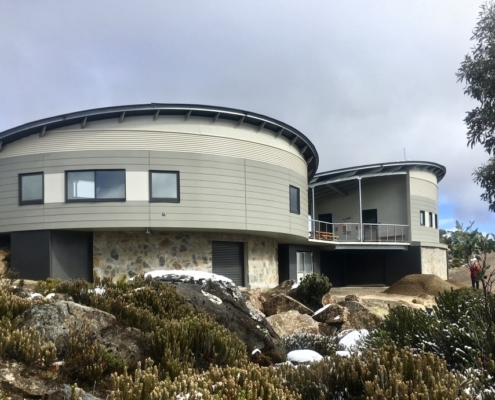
{"points": [[125, 254]]}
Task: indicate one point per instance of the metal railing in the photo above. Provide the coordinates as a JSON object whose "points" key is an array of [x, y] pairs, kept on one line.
{"points": [[352, 232]]}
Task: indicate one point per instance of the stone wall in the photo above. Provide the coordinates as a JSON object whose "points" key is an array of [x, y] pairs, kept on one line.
{"points": [[434, 261], [126, 254]]}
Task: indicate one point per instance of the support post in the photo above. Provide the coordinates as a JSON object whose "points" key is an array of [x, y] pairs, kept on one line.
{"points": [[361, 234], [313, 211]]}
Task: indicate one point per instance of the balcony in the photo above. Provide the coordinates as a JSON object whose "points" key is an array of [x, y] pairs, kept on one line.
{"points": [[354, 232]]}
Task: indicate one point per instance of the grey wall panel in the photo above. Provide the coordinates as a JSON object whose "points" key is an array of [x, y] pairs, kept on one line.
{"points": [[216, 192], [30, 254], [72, 255]]}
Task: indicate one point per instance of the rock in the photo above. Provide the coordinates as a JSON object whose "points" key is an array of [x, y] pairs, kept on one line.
{"points": [[359, 316], [291, 322], [327, 330], [4, 255], [21, 380], [59, 296], [283, 288], [64, 392], [332, 314], [352, 297], [57, 320], [4, 267], [282, 303], [418, 301], [253, 299], [328, 299], [233, 313]]}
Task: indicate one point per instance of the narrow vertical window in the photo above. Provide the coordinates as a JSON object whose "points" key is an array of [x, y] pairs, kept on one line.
{"points": [[304, 260], [165, 186], [422, 218], [431, 219], [436, 221], [294, 200], [31, 188]]}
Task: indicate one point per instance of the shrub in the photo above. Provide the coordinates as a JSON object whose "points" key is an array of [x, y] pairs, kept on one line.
{"points": [[387, 373], [181, 337], [250, 382], [47, 286], [86, 360], [311, 290], [25, 345], [324, 345]]}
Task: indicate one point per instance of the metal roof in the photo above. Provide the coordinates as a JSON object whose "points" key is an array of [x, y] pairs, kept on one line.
{"points": [[280, 129], [374, 170]]}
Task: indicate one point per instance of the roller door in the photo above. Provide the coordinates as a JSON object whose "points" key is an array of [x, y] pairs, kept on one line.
{"points": [[228, 260]]}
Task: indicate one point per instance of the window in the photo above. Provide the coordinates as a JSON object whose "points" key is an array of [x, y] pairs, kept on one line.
{"points": [[430, 219], [294, 200], [422, 218], [164, 186], [31, 188], [436, 221], [304, 264], [99, 185]]}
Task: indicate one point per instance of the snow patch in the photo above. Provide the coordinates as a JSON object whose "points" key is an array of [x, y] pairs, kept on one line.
{"points": [[295, 286], [255, 351], [35, 295], [303, 356], [195, 275], [343, 353], [350, 340]]}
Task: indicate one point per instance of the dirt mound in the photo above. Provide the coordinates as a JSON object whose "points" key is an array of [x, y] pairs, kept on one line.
{"points": [[421, 284]]}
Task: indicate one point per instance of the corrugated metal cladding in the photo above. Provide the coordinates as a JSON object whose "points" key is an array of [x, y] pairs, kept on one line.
{"points": [[228, 260]]}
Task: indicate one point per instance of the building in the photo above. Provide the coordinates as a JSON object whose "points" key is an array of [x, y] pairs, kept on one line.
{"points": [[118, 191]]}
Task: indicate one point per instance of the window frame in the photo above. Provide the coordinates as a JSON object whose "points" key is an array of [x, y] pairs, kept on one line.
{"points": [[95, 199], [422, 218], [31, 202], [430, 219], [298, 206], [436, 221], [303, 272], [163, 199]]}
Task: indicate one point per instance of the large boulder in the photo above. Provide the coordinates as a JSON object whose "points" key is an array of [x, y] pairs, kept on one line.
{"points": [[328, 299], [291, 322], [59, 319], [282, 303], [254, 299], [359, 316], [285, 287], [226, 304], [332, 314]]}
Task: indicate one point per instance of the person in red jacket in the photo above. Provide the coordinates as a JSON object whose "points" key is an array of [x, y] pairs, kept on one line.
{"points": [[474, 268]]}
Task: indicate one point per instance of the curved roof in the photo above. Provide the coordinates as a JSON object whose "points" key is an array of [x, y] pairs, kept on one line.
{"points": [[372, 170], [280, 129]]}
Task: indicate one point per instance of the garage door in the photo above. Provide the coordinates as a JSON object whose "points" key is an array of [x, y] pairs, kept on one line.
{"points": [[228, 260]]}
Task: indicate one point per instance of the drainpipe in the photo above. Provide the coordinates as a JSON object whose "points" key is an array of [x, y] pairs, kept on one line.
{"points": [[360, 211], [313, 211]]}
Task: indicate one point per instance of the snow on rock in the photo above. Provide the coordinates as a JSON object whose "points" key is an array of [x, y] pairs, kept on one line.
{"points": [[295, 286], [343, 353], [35, 295], [321, 310], [255, 351], [304, 356], [187, 275], [212, 298], [350, 340]]}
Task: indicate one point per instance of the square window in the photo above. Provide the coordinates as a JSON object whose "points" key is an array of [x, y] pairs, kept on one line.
{"points": [[294, 200], [98, 185], [422, 218], [31, 188], [165, 186]]}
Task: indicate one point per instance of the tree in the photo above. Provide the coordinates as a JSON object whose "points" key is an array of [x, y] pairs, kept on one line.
{"points": [[478, 72]]}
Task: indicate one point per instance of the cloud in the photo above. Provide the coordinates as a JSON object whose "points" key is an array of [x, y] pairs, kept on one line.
{"points": [[363, 80]]}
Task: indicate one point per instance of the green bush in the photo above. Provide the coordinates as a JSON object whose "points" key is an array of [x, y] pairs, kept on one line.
{"points": [[311, 290], [324, 345], [458, 328], [249, 382], [385, 373], [180, 337]]}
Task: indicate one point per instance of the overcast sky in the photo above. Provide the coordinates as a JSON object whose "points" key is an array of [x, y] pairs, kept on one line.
{"points": [[363, 80]]}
